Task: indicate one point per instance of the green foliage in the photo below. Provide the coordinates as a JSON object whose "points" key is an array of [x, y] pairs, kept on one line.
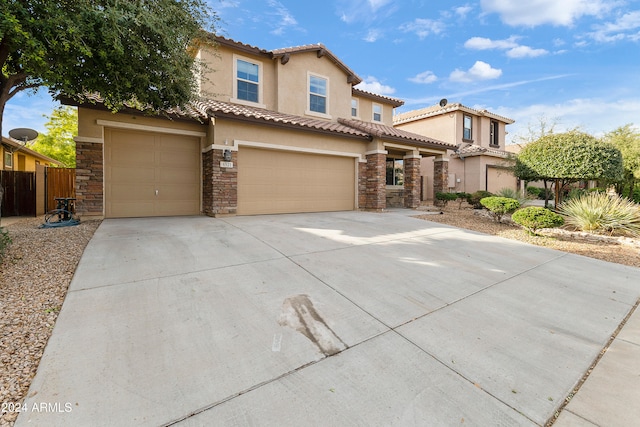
{"points": [[462, 196], [445, 198], [569, 156], [58, 142], [5, 241], [599, 212], [499, 206], [127, 51], [474, 198], [535, 192], [627, 141], [534, 218], [634, 197], [512, 194]]}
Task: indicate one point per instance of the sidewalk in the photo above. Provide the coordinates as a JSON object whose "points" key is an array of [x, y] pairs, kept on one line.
{"points": [[610, 395]]}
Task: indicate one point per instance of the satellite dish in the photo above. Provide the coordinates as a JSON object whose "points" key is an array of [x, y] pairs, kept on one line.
{"points": [[443, 102], [23, 134]]}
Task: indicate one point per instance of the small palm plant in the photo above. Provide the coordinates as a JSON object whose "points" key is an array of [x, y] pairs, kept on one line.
{"points": [[599, 213]]}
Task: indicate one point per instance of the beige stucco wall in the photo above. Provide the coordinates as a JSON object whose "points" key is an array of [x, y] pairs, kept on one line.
{"points": [[89, 128]]}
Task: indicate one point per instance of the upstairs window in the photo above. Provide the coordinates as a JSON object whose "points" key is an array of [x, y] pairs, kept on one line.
{"points": [[377, 112], [354, 108], [248, 81], [318, 94], [467, 133], [493, 134]]}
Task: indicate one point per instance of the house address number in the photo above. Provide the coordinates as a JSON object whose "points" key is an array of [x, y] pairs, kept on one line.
{"points": [[226, 164]]}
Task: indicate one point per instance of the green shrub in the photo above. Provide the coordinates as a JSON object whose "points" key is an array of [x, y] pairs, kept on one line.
{"points": [[462, 196], [474, 198], [599, 212], [574, 193], [499, 206], [444, 198], [636, 194], [5, 241], [513, 194], [534, 218], [535, 192]]}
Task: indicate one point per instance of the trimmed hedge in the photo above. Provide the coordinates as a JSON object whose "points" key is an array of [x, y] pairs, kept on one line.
{"points": [[534, 218], [500, 206]]}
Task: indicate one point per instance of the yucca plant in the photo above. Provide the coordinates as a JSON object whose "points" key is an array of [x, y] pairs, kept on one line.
{"points": [[510, 193], [599, 212]]}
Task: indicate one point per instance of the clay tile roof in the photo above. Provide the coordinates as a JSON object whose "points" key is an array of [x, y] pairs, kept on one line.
{"points": [[476, 150], [390, 133], [395, 102], [241, 46], [322, 51], [436, 110], [229, 110]]}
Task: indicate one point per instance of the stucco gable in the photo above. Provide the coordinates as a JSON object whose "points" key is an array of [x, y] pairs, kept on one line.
{"points": [[393, 134], [436, 110]]}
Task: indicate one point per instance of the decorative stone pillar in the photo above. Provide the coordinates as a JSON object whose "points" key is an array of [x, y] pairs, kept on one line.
{"points": [[362, 184], [219, 184], [376, 184], [440, 175], [89, 179], [412, 181]]}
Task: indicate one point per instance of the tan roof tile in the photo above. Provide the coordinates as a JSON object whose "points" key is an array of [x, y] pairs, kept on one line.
{"points": [[436, 110], [386, 99], [390, 133]]}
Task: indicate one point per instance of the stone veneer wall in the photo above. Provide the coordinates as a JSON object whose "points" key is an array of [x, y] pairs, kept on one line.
{"points": [[362, 185], [440, 175], [219, 185], [411, 182], [375, 198], [89, 179]]}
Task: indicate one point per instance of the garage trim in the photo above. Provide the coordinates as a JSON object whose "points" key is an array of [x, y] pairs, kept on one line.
{"points": [[268, 146], [147, 128]]}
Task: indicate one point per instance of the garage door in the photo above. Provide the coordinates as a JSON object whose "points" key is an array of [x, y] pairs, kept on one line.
{"points": [[151, 174], [287, 182]]}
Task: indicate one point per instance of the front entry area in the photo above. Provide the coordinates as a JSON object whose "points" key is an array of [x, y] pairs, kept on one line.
{"points": [[271, 182], [151, 174]]}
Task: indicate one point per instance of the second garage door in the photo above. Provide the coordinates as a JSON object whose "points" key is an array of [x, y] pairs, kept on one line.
{"points": [[272, 182], [151, 174]]}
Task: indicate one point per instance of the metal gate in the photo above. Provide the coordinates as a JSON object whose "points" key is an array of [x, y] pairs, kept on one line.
{"points": [[19, 198]]}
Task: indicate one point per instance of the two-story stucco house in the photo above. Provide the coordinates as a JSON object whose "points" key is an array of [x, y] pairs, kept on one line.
{"points": [[274, 131], [480, 160]]}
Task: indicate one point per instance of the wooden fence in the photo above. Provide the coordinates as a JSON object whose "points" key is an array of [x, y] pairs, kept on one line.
{"points": [[60, 182], [19, 198]]}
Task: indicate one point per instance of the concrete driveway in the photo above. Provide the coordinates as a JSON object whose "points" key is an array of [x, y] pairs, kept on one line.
{"points": [[346, 318]]}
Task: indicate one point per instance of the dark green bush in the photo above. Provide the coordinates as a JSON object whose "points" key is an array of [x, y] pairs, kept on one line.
{"points": [[474, 198], [444, 198], [5, 240], [535, 191], [462, 196], [499, 206], [534, 218]]}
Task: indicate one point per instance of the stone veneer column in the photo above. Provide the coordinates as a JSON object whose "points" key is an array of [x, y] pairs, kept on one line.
{"points": [[440, 175], [362, 185], [219, 185], [412, 181], [89, 179], [376, 185]]}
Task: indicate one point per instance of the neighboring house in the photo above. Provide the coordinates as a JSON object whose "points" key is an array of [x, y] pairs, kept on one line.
{"points": [[14, 156], [277, 131], [480, 160]]}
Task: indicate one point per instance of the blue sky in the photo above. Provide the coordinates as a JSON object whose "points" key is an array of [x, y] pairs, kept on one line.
{"points": [[575, 62]]}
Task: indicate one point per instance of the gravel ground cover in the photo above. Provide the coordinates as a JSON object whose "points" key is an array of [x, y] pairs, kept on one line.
{"points": [[34, 276], [618, 249], [39, 265]]}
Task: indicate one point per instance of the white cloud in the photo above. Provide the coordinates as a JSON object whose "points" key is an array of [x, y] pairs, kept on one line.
{"points": [[626, 26], [482, 43], [572, 113], [372, 35], [525, 52], [363, 10], [510, 45], [371, 84], [539, 12], [425, 77], [377, 4], [462, 11], [423, 27], [286, 19], [480, 71]]}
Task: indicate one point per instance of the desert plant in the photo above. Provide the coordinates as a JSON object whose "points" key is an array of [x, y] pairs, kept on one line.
{"points": [[5, 241], [474, 198], [534, 218], [499, 206], [599, 212], [445, 198], [535, 192], [510, 193]]}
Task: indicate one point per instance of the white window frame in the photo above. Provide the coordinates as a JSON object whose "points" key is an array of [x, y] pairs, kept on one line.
{"points": [[357, 107], [464, 127], [373, 113], [494, 133], [308, 111], [235, 82], [8, 160]]}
